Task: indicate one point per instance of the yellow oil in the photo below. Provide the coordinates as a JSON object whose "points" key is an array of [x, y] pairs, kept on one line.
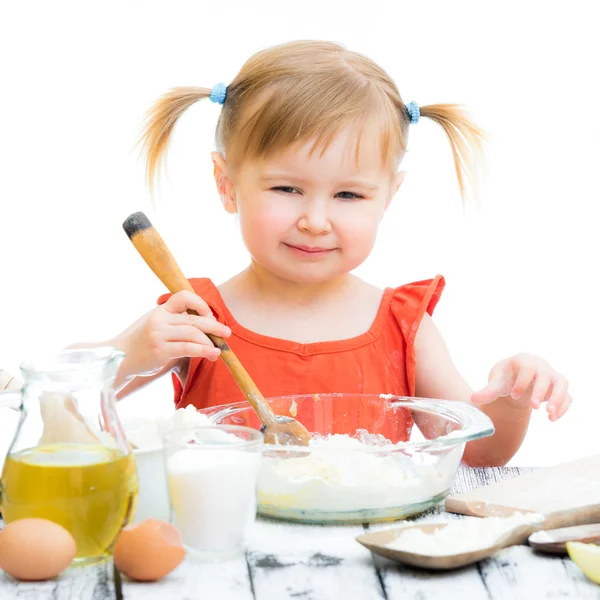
{"points": [[89, 490]]}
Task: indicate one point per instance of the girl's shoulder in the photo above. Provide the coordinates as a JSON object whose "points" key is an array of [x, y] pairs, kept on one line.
{"points": [[410, 302], [424, 294]]}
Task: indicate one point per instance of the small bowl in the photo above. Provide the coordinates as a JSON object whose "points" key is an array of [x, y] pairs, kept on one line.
{"points": [[153, 497], [373, 458]]}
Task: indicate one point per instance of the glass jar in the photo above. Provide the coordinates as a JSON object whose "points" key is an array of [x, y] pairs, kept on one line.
{"points": [[69, 460]]}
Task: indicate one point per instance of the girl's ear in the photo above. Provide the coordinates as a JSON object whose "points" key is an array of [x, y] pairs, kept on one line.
{"points": [[224, 185], [396, 183]]}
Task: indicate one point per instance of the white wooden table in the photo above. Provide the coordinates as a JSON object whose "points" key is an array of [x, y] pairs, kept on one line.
{"points": [[302, 562]]}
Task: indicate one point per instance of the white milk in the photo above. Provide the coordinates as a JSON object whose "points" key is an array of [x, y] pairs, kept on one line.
{"points": [[213, 495]]}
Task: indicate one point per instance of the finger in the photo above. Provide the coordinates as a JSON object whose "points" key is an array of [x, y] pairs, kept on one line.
{"points": [[205, 324], [192, 350], [540, 389], [187, 333], [181, 301], [557, 394], [523, 381], [499, 384], [562, 408], [491, 392]]}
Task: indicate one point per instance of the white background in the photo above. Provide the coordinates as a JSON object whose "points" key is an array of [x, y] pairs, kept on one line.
{"points": [[521, 269]]}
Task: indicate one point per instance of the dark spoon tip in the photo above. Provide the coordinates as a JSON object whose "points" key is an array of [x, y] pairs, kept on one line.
{"points": [[135, 223]]}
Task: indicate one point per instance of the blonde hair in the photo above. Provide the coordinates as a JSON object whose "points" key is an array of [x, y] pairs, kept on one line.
{"points": [[302, 90]]}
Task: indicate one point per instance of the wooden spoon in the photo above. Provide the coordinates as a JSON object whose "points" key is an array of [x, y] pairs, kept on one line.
{"points": [[553, 541], [277, 429], [378, 542]]}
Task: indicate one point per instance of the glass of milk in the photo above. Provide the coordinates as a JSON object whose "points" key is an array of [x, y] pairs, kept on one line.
{"points": [[212, 480]]}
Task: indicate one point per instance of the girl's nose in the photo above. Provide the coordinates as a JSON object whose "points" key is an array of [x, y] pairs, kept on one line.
{"points": [[314, 218]]}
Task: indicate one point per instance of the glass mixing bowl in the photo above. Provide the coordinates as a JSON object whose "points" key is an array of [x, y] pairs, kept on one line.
{"points": [[373, 457]]}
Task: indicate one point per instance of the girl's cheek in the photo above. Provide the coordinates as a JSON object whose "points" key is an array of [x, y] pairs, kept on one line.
{"points": [[363, 224], [275, 218], [258, 226]]}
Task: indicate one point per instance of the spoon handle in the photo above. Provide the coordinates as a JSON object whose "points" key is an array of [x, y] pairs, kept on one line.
{"points": [[568, 518], [158, 257]]}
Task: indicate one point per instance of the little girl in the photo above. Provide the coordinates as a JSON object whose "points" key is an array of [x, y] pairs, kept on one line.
{"points": [[309, 142]]}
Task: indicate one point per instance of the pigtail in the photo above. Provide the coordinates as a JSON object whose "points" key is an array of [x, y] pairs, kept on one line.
{"points": [[466, 140], [159, 124]]}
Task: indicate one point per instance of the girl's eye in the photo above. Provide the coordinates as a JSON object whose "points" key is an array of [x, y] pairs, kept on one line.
{"points": [[350, 196], [285, 189], [292, 190]]}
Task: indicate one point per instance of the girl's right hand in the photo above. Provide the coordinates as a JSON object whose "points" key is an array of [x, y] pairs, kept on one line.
{"points": [[168, 333]]}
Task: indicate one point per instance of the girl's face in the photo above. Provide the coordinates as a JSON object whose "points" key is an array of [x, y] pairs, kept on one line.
{"points": [[309, 218]]}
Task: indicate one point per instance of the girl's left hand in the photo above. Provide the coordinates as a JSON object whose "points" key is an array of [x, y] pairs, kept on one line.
{"points": [[526, 381]]}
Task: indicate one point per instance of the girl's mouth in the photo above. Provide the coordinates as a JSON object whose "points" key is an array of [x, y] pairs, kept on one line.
{"points": [[314, 251]]}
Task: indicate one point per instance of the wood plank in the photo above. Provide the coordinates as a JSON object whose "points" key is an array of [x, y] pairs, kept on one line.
{"points": [[406, 583], [519, 572], [193, 580], [513, 574], [76, 583], [292, 561]]}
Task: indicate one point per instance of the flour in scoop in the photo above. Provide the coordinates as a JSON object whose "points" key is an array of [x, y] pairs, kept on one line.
{"points": [[460, 535]]}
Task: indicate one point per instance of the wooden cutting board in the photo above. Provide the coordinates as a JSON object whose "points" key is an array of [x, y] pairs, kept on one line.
{"points": [[551, 491]]}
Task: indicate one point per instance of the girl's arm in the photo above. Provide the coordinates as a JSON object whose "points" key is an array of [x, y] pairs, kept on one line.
{"points": [[515, 386], [126, 384], [125, 387], [163, 340]]}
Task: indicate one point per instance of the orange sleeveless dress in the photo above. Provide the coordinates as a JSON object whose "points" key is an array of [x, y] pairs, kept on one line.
{"points": [[380, 361]]}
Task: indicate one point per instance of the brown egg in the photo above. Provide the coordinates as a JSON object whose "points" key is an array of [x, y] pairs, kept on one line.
{"points": [[148, 550], [35, 549]]}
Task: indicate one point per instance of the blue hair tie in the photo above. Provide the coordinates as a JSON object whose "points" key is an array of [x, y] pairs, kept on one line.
{"points": [[218, 93], [414, 112]]}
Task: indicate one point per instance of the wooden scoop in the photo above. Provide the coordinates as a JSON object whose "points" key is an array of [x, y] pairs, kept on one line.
{"points": [[554, 541], [147, 241], [378, 542]]}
